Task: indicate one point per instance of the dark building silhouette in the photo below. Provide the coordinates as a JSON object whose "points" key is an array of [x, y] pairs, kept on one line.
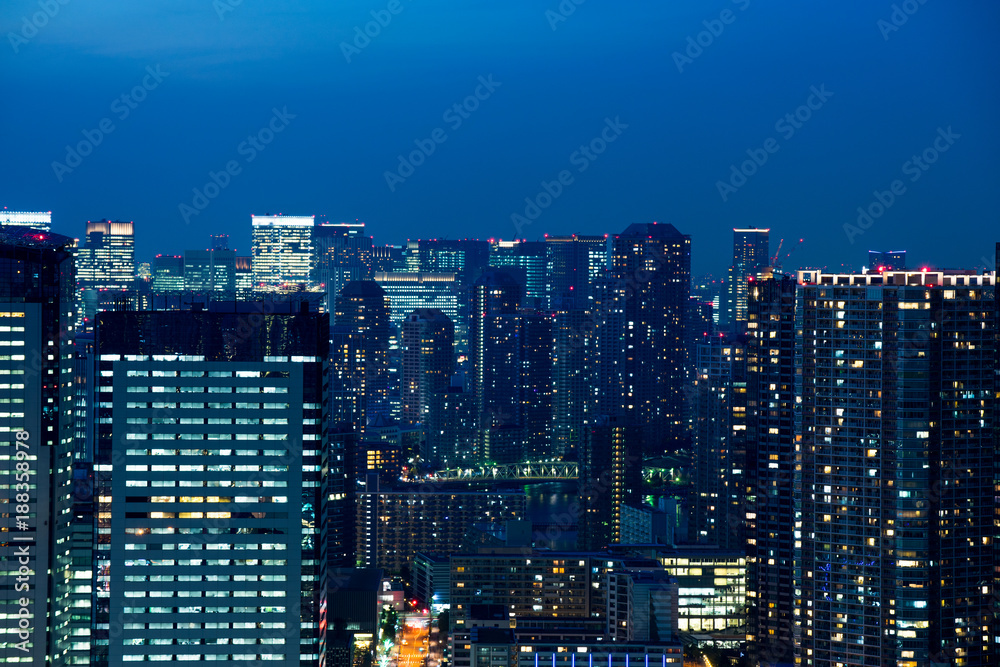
{"points": [[610, 477], [886, 260], [717, 511], [574, 262], [361, 339], [342, 253], [428, 360], [651, 274], [772, 488]]}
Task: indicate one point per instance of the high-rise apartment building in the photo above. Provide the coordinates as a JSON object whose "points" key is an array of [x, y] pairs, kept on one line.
{"points": [[610, 477], [573, 400], [495, 293], [428, 360], [773, 486], [751, 249], [898, 456], [450, 429], [394, 526], [282, 251], [720, 409], [645, 332], [343, 253], [37, 286], [106, 261], [361, 345], [40, 220], [212, 435]]}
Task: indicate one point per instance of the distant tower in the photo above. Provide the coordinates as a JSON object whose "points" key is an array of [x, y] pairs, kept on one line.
{"points": [[751, 248], [428, 360], [282, 251], [887, 260], [343, 252], [106, 261], [495, 293], [610, 476]]}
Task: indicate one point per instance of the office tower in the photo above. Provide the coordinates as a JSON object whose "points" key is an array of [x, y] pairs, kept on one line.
{"points": [[106, 261], [495, 293], [388, 259], [773, 494], [408, 291], [428, 360], [393, 526], [211, 270], [898, 469], [221, 423], [343, 252], [528, 261], [751, 248], [886, 260], [610, 477], [467, 258], [573, 399], [362, 342], [282, 251], [651, 271], [37, 293], [574, 263], [720, 409], [42, 221], [243, 275], [450, 429], [168, 273]]}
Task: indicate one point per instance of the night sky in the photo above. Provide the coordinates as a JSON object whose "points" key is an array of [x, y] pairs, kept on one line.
{"points": [[223, 67]]}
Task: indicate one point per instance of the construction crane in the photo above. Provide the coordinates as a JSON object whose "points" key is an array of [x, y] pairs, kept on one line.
{"points": [[778, 260]]}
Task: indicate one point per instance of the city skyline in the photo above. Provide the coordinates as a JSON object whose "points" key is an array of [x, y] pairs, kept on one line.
{"points": [[244, 68]]}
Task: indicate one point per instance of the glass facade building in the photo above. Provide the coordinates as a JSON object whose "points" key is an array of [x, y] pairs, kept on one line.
{"points": [[282, 251]]}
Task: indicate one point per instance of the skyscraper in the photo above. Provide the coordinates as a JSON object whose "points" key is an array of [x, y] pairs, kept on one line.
{"points": [[168, 273], [39, 220], [362, 313], [428, 360], [212, 270], [751, 253], [209, 455], [282, 251], [528, 261], [343, 253], [573, 400], [106, 261], [495, 293], [773, 488], [886, 260], [898, 469], [720, 409], [408, 291], [37, 285], [651, 269], [574, 263]]}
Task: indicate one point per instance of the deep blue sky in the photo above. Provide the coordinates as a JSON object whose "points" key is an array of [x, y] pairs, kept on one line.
{"points": [[607, 59]]}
